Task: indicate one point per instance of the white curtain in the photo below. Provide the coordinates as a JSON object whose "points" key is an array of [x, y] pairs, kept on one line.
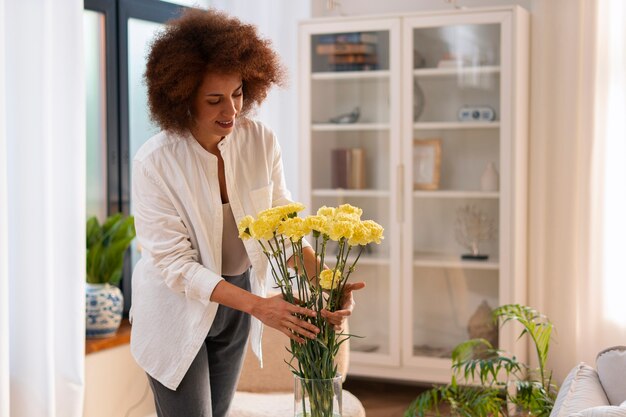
{"points": [[42, 208], [572, 75], [277, 20]]}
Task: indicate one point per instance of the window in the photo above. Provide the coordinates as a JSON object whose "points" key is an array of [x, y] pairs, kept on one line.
{"points": [[117, 33]]}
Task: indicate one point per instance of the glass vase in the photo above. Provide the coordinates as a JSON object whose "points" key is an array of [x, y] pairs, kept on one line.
{"points": [[317, 397]]}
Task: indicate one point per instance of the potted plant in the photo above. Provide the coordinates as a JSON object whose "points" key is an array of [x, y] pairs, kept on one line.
{"points": [[106, 245], [497, 384]]}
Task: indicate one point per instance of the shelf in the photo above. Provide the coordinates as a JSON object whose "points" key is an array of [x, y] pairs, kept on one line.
{"points": [[455, 125], [456, 194], [351, 75], [332, 192], [122, 337], [333, 127], [452, 261], [443, 72]]}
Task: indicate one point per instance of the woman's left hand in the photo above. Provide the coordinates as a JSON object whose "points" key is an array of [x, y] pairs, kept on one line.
{"points": [[336, 318]]}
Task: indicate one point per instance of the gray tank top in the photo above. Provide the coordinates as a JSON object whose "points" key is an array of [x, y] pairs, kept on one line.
{"points": [[235, 260]]}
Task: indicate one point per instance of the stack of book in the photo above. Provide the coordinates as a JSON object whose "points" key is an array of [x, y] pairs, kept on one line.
{"points": [[349, 51]]}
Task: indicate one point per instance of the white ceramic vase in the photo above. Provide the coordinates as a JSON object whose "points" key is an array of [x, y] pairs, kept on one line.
{"points": [[104, 304], [490, 179]]}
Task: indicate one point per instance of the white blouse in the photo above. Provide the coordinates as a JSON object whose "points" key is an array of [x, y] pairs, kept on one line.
{"points": [[179, 221]]}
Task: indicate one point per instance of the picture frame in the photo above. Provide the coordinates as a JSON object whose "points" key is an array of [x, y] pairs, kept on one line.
{"points": [[426, 164]]}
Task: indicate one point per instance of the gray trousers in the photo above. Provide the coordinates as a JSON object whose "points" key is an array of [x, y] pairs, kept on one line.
{"points": [[208, 387]]}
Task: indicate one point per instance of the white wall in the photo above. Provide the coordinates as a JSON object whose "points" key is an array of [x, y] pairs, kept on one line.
{"points": [[360, 7], [115, 386]]}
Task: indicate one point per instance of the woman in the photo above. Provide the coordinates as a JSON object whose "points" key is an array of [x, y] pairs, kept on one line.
{"points": [[197, 284]]}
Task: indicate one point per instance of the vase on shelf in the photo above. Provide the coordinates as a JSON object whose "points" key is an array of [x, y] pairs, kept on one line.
{"points": [[490, 179], [317, 397], [104, 304]]}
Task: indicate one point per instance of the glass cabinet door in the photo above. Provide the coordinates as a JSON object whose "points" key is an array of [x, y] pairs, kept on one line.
{"points": [[351, 87], [454, 153]]}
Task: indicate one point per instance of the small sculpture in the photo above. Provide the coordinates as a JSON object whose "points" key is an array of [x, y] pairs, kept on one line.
{"points": [[351, 117], [482, 326], [472, 227]]}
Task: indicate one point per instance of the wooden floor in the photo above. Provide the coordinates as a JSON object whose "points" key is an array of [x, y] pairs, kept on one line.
{"points": [[383, 399]]}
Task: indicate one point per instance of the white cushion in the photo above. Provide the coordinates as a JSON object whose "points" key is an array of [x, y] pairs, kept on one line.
{"points": [[602, 411], [611, 366], [580, 390], [252, 404]]}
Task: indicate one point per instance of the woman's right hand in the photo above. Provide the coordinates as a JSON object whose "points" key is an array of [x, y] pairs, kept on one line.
{"points": [[281, 315]]}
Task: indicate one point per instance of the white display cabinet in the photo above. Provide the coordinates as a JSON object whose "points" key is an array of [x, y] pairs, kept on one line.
{"points": [[401, 116]]}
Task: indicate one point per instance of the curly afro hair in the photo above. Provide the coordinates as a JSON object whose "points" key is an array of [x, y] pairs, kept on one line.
{"points": [[198, 42]]}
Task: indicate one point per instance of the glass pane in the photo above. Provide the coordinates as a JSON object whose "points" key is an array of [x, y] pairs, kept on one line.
{"points": [[351, 160], [448, 308], [457, 73], [141, 128], [96, 133]]}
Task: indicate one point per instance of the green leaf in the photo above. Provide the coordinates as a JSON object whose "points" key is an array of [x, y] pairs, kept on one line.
{"points": [[106, 246]]}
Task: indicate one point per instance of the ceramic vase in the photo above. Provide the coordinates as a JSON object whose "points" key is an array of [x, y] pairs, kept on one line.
{"points": [[317, 397], [490, 179], [104, 305]]}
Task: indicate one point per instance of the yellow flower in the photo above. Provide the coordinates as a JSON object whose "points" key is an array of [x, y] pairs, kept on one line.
{"points": [[329, 279], [264, 227], [360, 235], [326, 211], [244, 227], [317, 223], [347, 209], [294, 228], [338, 229], [282, 212], [375, 231]]}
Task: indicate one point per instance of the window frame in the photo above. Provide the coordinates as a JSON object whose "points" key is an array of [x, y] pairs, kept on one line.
{"points": [[116, 16]]}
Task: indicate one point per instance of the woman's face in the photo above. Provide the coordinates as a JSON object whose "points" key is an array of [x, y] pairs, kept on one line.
{"points": [[216, 105]]}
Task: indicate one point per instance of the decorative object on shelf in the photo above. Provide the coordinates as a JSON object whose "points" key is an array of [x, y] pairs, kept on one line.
{"points": [[482, 326], [432, 351], [348, 168], [449, 60], [498, 384], [351, 117], [472, 227], [276, 228], [106, 246], [426, 164], [490, 179], [355, 51], [419, 100], [418, 59], [477, 114]]}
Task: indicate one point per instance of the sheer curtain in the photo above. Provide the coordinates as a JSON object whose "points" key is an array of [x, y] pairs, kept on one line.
{"points": [[574, 175], [42, 208], [277, 21]]}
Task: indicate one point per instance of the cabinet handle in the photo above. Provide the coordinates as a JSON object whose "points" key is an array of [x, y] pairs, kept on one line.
{"points": [[400, 202]]}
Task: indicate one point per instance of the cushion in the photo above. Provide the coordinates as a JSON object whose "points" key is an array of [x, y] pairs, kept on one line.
{"points": [[251, 404], [611, 366], [580, 390], [602, 411]]}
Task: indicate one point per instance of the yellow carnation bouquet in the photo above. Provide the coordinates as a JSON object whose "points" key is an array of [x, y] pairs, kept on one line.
{"points": [[278, 227]]}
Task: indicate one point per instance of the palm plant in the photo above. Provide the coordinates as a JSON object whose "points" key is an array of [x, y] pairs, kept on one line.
{"points": [[498, 383]]}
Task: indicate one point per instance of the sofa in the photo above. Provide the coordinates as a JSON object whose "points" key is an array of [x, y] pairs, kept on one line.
{"points": [[599, 392]]}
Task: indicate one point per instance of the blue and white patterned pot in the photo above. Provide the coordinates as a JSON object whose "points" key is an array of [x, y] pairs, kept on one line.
{"points": [[104, 306]]}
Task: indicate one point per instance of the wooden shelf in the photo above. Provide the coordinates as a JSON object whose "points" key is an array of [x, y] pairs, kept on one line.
{"points": [[122, 337], [350, 75], [457, 194], [335, 127], [455, 125]]}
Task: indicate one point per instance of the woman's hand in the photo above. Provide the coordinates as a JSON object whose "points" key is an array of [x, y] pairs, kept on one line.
{"points": [[280, 314], [337, 317]]}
